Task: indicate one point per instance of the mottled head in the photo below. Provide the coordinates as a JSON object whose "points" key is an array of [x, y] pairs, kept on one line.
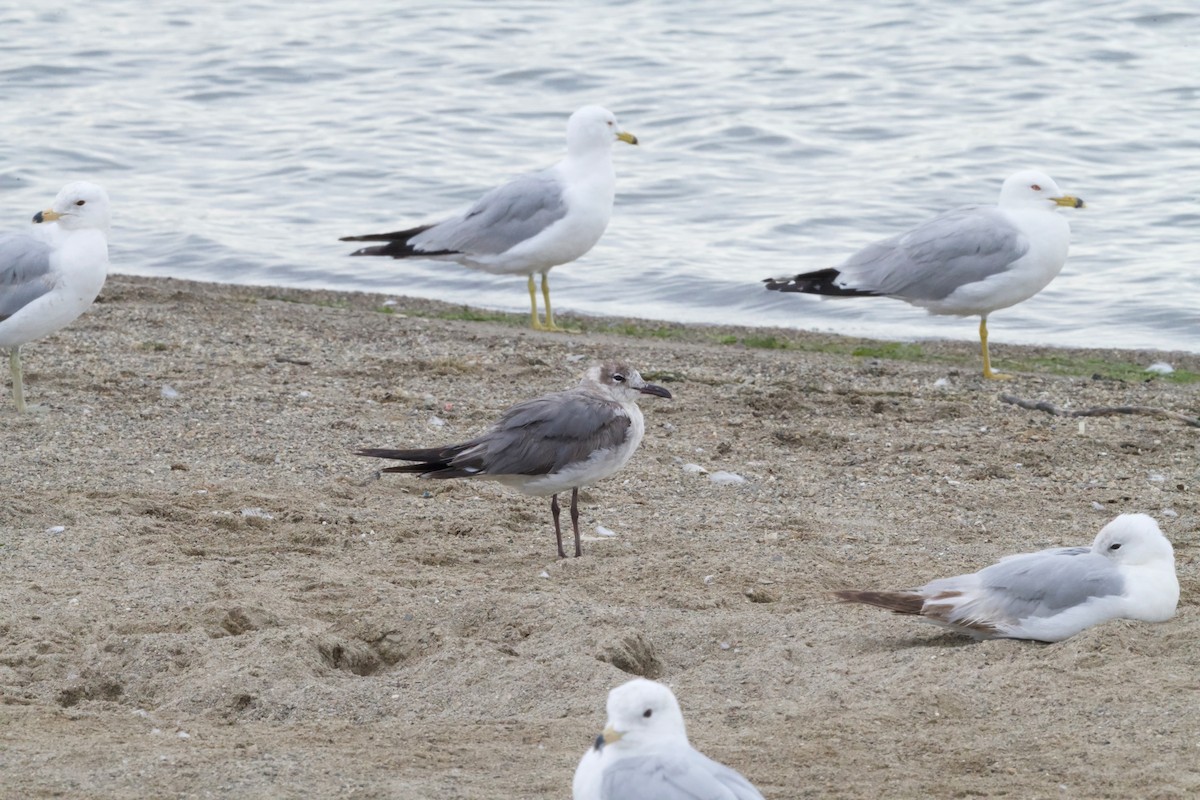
{"points": [[622, 381], [1030, 187], [593, 127], [78, 205], [642, 711], [1134, 539]]}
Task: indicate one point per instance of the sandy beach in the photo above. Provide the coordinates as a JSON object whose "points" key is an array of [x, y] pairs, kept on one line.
{"points": [[206, 594]]}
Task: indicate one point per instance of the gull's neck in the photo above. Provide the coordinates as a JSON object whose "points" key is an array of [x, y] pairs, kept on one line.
{"points": [[636, 745], [591, 156]]}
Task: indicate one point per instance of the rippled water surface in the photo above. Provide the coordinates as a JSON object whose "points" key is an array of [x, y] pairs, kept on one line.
{"points": [[239, 141]]}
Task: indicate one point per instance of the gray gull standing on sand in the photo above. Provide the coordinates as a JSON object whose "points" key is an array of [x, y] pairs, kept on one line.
{"points": [[549, 444]]}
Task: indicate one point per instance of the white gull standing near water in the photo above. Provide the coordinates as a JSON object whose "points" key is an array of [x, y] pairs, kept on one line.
{"points": [[50, 276], [967, 262], [644, 754], [1050, 595], [532, 223], [549, 444]]}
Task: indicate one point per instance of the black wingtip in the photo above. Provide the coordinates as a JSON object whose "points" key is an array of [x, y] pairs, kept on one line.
{"points": [[420, 467], [380, 452], [394, 248], [822, 281]]}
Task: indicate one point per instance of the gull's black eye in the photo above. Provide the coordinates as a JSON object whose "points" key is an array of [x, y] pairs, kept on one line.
{"points": [[1035, 187], [1115, 546], [80, 202], [618, 377], [647, 713]]}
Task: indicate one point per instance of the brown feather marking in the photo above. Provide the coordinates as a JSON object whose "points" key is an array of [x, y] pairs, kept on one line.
{"points": [[900, 602]]}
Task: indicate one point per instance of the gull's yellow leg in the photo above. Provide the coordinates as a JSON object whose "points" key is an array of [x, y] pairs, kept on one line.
{"points": [[987, 362], [14, 365], [549, 325], [534, 322]]}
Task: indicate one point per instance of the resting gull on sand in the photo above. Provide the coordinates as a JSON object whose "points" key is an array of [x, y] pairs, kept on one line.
{"points": [[644, 754], [1050, 595]]}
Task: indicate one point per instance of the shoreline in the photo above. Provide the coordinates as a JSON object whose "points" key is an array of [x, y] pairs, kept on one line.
{"points": [[947, 351], [209, 593]]}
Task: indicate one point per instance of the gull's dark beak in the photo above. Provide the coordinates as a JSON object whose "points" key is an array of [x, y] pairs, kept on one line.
{"points": [[651, 388], [599, 743], [46, 216], [1068, 201]]}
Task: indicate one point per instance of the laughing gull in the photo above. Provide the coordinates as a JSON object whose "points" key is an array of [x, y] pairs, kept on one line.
{"points": [[50, 276], [644, 754], [532, 223], [967, 262], [1127, 573], [549, 444]]}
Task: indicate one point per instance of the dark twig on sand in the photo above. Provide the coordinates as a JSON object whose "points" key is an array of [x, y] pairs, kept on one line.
{"points": [[1103, 411]]}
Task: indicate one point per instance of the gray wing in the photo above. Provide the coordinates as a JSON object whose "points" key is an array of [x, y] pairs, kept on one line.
{"points": [[1045, 583], [687, 776], [933, 260], [24, 272], [501, 219], [541, 436]]}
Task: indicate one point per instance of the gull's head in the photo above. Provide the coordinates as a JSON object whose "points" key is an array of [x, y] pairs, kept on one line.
{"points": [[1134, 539], [593, 127], [642, 711], [622, 381], [78, 205], [1033, 188]]}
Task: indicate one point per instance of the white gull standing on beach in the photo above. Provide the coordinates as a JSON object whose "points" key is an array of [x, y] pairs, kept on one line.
{"points": [[1050, 595], [967, 262], [532, 223], [50, 276], [549, 444], [644, 754]]}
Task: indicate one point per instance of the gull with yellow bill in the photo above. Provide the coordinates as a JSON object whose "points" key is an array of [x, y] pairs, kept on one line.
{"points": [[967, 262], [530, 224], [52, 273]]}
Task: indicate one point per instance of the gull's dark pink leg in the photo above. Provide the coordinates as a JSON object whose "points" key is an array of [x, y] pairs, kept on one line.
{"points": [[557, 530], [575, 522]]}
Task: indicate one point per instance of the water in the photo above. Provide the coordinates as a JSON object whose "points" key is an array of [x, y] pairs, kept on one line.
{"points": [[240, 140]]}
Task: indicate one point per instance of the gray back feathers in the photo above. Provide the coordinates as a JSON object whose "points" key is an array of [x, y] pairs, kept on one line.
{"points": [[501, 219], [1047, 582], [544, 435], [24, 272], [933, 260]]}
